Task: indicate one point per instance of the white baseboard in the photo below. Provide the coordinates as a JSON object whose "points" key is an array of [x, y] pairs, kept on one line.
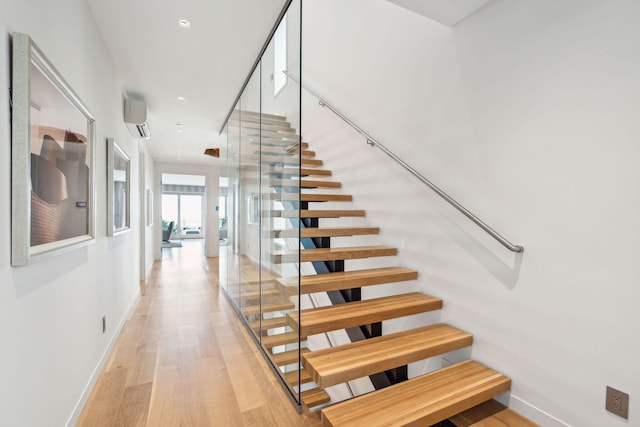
{"points": [[148, 272], [534, 414], [77, 410]]}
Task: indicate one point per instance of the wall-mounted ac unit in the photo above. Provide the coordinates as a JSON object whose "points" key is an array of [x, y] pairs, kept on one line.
{"points": [[135, 117]]}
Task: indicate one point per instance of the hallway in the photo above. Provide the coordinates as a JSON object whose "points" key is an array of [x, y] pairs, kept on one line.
{"points": [[184, 359]]}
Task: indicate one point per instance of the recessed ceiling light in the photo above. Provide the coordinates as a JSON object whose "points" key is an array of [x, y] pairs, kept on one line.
{"points": [[183, 23], [181, 98]]}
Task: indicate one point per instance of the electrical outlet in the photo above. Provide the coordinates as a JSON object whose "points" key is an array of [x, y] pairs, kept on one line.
{"points": [[104, 324], [617, 402]]}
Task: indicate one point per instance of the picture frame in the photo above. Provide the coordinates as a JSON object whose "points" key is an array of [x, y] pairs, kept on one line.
{"points": [[150, 216], [253, 209], [52, 154], [118, 189]]}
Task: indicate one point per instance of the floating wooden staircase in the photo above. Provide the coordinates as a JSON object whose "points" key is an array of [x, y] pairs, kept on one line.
{"points": [[424, 400]]}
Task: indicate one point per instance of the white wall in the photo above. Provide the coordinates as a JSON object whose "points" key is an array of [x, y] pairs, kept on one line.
{"points": [[50, 312], [211, 216], [526, 112]]}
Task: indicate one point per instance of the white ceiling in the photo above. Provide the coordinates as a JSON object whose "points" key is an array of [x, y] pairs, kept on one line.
{"points": [[207, 64], [158, 61], [447, 12]]}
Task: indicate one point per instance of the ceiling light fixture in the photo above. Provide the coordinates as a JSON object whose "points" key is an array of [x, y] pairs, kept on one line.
{"points": [[183, 23], [181, 98]]}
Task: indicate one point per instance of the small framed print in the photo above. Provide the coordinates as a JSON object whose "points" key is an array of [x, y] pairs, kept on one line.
{"points": [[118, 189]]}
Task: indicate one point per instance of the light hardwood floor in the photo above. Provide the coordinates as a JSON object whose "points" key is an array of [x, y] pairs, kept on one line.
{"points": [[184, 359]]}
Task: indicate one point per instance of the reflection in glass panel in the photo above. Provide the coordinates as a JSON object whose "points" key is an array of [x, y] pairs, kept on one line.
{"points": [[263, 158]]}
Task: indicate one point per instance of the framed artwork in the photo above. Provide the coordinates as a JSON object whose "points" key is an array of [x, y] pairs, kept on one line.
{"points": [[253, 209], [118, 189], [52, 166], [150, 219]]}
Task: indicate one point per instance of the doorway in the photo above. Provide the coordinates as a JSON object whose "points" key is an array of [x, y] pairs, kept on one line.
{"points": [[183, 202]]}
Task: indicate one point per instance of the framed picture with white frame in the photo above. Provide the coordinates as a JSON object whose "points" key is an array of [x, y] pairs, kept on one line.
{"points": [[52, 160], [118, 189]]}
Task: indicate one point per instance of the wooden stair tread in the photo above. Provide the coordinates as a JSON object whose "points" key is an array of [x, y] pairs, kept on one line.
{"points": [[316, 172], [345, 280], [297, 377], [306, 183], [255, 132], [292, 171], [314, 397], [254, 114], [270, 341], [309, 213], [424, 400], [282, 145], [269, 307], [251, 295], [324, 232], [336, 365], [266, 324], [269, 160], [338, 231], [307, 197], [330, 254], [305, 213], [491, 414], [280, 126], [302, 183], [288, 357], [348, 315]]}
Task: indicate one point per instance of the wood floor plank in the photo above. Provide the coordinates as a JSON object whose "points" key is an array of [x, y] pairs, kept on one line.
{"points": [[105, 399], [189, 358], [491, 414], [134, 407]]}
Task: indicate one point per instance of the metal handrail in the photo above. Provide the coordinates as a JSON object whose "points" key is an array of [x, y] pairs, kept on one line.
{"points": [[373, 142]]}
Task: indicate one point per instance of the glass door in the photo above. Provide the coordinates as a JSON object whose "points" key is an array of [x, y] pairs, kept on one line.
{"points": [[186, 213], [170, 215]]}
